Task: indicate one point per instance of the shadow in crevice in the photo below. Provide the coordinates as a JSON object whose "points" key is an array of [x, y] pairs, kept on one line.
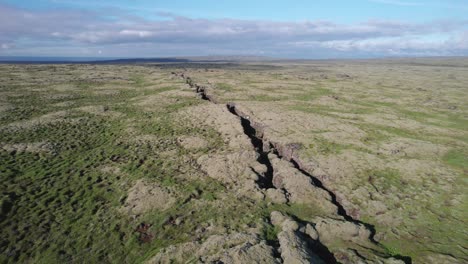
{"points": [[257, 143]]}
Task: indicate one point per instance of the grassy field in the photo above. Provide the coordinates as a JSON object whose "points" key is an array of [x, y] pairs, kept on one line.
{"points": [[84, 147]]}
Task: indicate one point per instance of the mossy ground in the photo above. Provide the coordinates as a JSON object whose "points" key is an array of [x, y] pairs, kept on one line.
{"points": [[63, 204], [391, 135]]}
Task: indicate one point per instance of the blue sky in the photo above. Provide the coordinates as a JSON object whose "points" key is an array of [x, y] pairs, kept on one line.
{"points": [[295, 28]]}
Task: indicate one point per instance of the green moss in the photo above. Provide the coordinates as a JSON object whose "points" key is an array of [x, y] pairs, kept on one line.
{"points": [[457, 158], [384, 179], [329, 110], [270, 232], [55, 195], [312, 94], [224, 87], [264, 98], [326, 147], [138, 80]]}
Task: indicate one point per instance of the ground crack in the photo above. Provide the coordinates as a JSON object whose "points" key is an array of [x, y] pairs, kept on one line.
{"points": [[258, 141], [255, 134]]}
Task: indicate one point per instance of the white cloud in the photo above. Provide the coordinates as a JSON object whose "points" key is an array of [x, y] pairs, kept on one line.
{"points": [[39, 31], [136, 33]]}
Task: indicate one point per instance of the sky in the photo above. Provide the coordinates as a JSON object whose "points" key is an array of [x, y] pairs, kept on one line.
{"points": [[275, 28]]}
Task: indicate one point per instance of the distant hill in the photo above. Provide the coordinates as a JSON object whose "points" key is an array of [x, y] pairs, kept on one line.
{"points": [[80, 60]]}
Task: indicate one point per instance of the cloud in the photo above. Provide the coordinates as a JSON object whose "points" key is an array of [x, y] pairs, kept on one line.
{"points": [[73, 31]]}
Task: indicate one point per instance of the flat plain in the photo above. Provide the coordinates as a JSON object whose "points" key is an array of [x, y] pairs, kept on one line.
{"points": [[361, 161]]}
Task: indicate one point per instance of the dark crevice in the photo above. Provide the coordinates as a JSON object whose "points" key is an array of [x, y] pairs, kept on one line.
{"points": [[257, 143], [262, 181], [319, 249], [357, 253], [342, 212], [256, 139], [200, 90], [203, 94], [319, 184], [273, 242], [405, 259], [314, 244], [268, 175]]}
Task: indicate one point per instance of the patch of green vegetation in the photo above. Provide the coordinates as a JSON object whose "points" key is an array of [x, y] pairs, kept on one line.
{"points": [[384, 179], [264, 98], [224, 87], [182, 104], [457, 158], [401, 132], [50, 196], [304, 212], [416, 115], [270, 232], [193, 216], [378, 133], [456, 121], [57, 196], [374, 104], [25, 106], [443, 233], [138, 80], [328, 110], [160, 90], [326, 147], [437, 118], [85, 85], [313, 93]]}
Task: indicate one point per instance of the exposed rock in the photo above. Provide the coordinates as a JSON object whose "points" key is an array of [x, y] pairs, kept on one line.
{"points": [[311, 232], [36, 147], [277, 218], [237, 248], [295, 250], [34, 123], [300, 187], [229, 168], [218, 117], [293, 247], [357, 236], [233, 169], [145, 196], [441, 259], [111, 169], [330, 230], [348, 256], [192, 142], [276, 196]]}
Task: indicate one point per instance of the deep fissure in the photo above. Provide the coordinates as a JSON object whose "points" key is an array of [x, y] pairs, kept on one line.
{"points": [[267, 182], [319, 184], [257, 143], [317, 247], [252, 134]]}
